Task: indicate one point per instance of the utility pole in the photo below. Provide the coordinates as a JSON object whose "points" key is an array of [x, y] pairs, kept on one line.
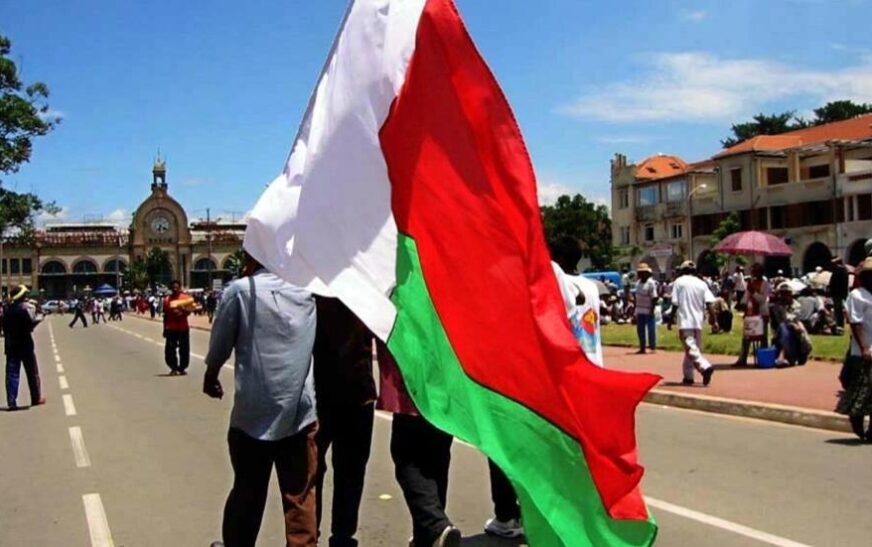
{"points": [[209, 245]]}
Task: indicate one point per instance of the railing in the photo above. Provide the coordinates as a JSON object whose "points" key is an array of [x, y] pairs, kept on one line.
{"points": [[646, 213], [676, 209]]}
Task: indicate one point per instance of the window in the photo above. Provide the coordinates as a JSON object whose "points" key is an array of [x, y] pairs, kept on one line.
{"points": [[648, 196], [649, 233], [676, 191], [776, 175], [736, 179], [819, 171], [849, 209], [625, 235], [14, 266], [677, 231], [777, 217], [623, 198], [26, 266], [4, 267], [864, 207]]}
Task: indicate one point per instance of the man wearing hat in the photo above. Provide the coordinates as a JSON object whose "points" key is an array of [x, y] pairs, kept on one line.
{"points": [[691, 298], [19, 323], [646, 298]]}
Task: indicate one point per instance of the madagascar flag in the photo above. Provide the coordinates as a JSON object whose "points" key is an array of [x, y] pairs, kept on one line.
{"points": [[409, 194]]}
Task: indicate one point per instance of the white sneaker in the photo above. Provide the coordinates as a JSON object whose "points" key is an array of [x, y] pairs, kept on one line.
{"points": [[450, 537], [508, 529]]}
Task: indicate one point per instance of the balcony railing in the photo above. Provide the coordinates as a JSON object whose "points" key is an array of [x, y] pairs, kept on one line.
{"points": [[646, 213], [675, 209]]}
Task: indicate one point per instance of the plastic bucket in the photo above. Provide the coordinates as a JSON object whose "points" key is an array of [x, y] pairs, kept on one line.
{"points": [[766, 357]]}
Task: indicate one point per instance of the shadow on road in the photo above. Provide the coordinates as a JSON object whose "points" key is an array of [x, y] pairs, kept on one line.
{"points": [[847, 441], [484, 540]]}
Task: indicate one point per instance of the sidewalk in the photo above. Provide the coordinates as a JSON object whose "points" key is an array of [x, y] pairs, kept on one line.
{"points": [[802, 396]]}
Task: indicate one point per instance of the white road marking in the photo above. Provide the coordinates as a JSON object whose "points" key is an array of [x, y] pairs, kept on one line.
{"points": [[161, 344], [60, 367], [62, 381], [69, 407], [57, 358], [703, 518], [98, 525], [763, 537], [79, 450], [198, 356]]}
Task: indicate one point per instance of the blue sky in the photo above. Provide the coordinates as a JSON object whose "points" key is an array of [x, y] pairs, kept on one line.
{"points": [[220, 86]]}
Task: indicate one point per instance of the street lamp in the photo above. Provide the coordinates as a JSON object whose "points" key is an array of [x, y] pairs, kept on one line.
{"points": [[690, 218]]}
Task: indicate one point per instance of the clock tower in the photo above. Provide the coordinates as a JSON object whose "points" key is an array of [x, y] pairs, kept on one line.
{"points": [[161, 222]]}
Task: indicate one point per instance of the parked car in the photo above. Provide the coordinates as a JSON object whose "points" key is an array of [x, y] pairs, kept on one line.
{"points": [[52, 306]]}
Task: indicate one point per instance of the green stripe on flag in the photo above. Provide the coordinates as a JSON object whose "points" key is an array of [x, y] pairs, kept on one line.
{"points": [[559, 501]]}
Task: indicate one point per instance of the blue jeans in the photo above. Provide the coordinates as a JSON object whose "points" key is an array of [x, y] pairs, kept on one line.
{"points": [[13, 367], [643, 322]]}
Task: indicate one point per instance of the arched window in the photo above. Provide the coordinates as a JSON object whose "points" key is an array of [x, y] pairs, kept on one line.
{"points": [[84, 267], [115, 265], [229, 263], [54, 267], [205, 264], [816, 255]]}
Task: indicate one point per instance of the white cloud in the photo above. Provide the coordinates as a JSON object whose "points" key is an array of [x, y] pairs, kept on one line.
{"points": [[700, 87], [119, 217], [550, 191], [694, 16], [44, 218]]}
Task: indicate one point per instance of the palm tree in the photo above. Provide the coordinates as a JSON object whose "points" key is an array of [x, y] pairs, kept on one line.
{"points": [[157, 266]]}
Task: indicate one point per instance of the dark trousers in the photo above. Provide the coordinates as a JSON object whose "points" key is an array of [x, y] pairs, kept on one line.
{"points": [[645, 323], [503, 494], [422, 455], [839, 311], [31, 370], [295, 460], [177, 350], [349, 430], [79, 315]]}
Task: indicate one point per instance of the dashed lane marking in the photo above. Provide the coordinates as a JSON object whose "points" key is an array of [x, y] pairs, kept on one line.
{"points": [[69, 407], [60, 367], [79, 450], [160, 343], [57, 358], [62, 381], [702, 518], [98, 524]]}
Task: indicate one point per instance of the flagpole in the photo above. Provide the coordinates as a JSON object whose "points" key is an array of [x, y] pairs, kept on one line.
{"points": [[307, 116]]}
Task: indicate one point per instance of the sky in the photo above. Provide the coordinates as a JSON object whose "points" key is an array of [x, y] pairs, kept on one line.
{"points": [[219, 86]]}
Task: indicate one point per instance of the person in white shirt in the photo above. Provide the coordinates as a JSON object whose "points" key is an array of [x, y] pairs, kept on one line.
{"points": [[739, 284], [646, 299], [856, 377], [691, 298]]}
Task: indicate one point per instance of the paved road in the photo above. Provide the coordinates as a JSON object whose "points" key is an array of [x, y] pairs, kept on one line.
{"points": [[151, 466]]}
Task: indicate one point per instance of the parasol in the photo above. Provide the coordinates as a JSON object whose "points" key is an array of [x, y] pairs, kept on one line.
{"points": [[753, 243]]}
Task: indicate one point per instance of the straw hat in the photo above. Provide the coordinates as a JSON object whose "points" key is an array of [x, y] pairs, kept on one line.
{"points": [[643, 267], [687, 265]]}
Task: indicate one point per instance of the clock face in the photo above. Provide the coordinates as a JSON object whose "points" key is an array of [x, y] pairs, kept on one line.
{"points": [[160, 225]]}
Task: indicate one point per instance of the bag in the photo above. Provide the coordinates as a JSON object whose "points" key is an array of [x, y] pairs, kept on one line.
{"points": [[752, 327]]}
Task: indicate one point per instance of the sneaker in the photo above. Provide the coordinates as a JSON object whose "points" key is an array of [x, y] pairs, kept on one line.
{"points": [[687, 381], [707, 375], [450, 537], [183, 373], [216, 544], [41, 401], [174, 373], [505, 529]]}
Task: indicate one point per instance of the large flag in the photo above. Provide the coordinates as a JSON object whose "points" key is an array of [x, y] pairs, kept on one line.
{"points": [[409, 194]]}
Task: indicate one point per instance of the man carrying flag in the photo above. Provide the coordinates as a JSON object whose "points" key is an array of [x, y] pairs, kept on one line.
{"points": [[409, 195]]}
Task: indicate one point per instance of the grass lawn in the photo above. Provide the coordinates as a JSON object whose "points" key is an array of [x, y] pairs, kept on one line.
{"points": [[823, 347]]}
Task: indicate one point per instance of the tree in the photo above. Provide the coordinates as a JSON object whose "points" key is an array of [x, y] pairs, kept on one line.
{"points": [[837, 111], [775, 124], [730, 225], [235, 263], [24, 115], [157, 266], [136, 277], [584, 221]]}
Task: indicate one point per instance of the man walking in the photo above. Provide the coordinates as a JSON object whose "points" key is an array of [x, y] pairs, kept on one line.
{"points": [[79, 313], [19, 325], [691, 299], [177, 332], [346, 405], [839, 292], [646, 299], [269, 325]]}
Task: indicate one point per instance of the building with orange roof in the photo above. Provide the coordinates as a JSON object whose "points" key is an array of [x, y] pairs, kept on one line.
{"points": [[811, 186]]}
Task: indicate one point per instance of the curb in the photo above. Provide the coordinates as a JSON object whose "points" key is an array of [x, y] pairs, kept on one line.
{"points": [[811, 357], [817, 419]]}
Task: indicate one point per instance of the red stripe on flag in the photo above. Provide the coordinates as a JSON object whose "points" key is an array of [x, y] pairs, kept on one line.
{"points": [[464, 189]]}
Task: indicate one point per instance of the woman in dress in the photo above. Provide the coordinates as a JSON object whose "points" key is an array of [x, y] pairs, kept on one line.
{"points": [[856, 399]]}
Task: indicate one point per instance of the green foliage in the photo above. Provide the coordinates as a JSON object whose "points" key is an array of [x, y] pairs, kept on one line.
{"points": [[157, 266], [24, 115], [730, 225], [236, 262], [584, 221], [136, 277], [775, 124]]}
